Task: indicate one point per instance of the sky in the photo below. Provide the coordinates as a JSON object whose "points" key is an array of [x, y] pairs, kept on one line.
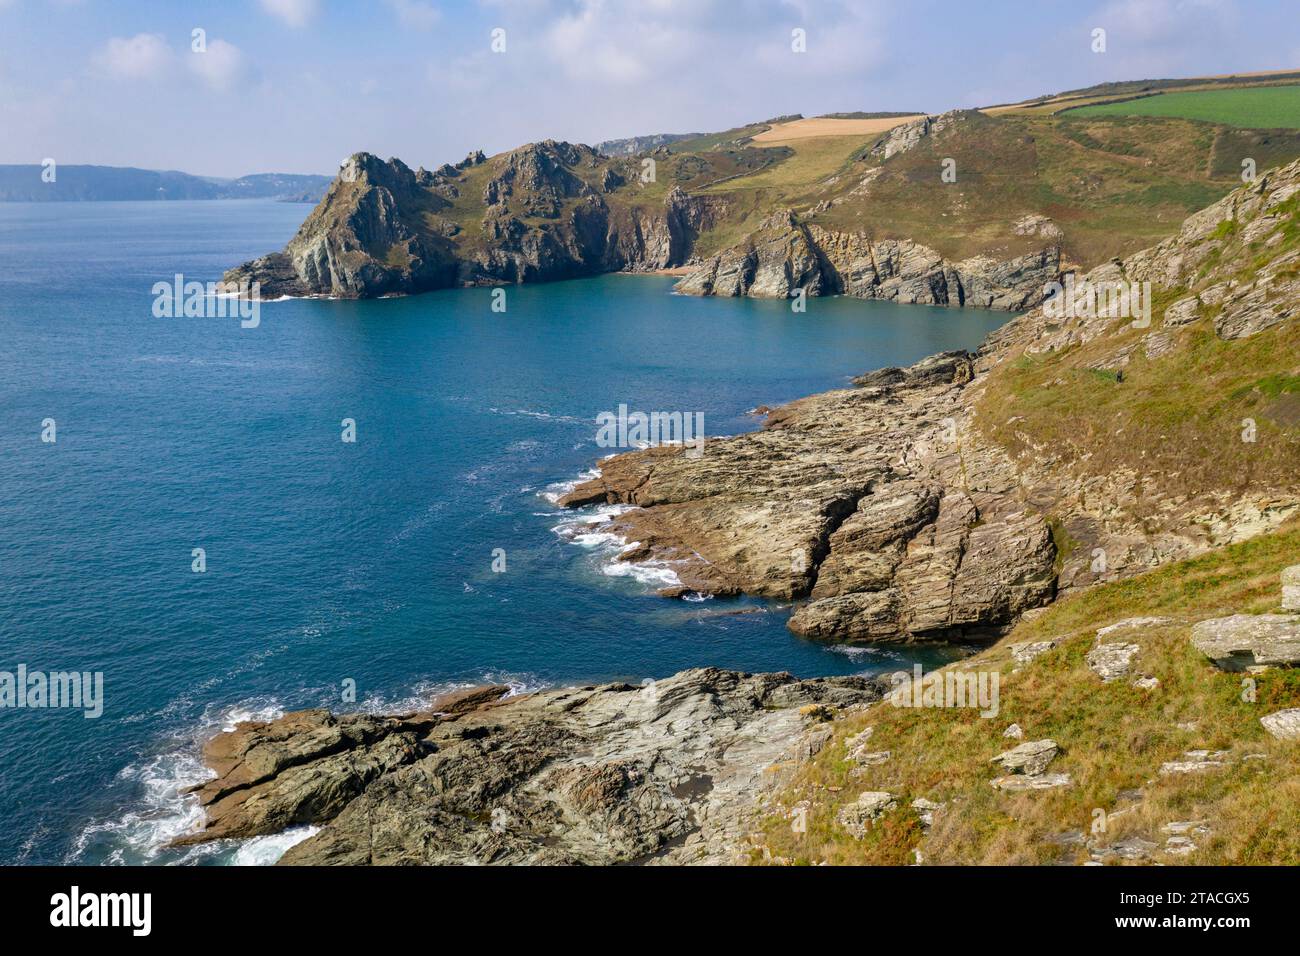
{"points": [[298, 85]]}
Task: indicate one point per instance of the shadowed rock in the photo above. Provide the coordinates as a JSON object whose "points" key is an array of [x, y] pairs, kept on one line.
{"points": [[1249, 640]]}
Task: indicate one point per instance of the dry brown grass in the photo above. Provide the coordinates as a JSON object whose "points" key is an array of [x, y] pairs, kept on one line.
{"points": [[1114, 738], [825, 126]]}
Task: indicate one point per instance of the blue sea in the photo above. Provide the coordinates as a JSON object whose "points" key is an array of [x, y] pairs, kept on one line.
{"points": [[331, 564]]}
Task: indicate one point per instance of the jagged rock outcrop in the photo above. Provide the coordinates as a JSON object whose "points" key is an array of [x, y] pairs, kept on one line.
{"points": [[869, 502], [666, 772], [857, 817], [361, 240], [908, 136], [786, 254], [549, 210]]}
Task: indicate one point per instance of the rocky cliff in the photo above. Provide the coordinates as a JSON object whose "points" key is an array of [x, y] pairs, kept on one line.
{"points": [[542, 212], [945, 500], [786, 254]]}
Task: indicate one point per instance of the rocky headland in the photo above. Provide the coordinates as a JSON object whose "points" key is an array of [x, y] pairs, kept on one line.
{"points": [[556, 210], [543, 212], [670, 771]]}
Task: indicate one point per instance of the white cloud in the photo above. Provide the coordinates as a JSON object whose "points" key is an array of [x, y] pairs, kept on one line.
{"points": [[1155, 21], [296, 13], [143, 56], [220, 67], [416, 14]]}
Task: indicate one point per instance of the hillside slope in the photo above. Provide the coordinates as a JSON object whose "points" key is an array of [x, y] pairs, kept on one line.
{"points": [[856, 205], [1146, 751], [949, 498]]}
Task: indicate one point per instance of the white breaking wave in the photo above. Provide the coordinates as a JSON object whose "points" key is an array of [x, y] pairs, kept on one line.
{"points": [[266, 850], [164, 810], [554, 492], [425, 691], [588, 529], [540, 416]]}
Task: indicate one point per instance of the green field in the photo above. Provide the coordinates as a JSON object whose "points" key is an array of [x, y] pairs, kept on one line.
{"points": [[1263, 107]]}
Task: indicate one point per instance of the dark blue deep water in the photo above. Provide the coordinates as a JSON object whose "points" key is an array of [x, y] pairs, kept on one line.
{"points": [[327, 561]]}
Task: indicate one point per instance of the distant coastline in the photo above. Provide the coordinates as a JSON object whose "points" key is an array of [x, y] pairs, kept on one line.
{"points": [[52, 182]]}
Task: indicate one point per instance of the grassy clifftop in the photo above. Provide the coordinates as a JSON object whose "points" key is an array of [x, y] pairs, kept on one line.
{"points": [[1114, 740], [1201, 399]]}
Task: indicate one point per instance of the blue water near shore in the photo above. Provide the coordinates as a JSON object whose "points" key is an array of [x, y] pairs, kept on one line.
{"points": [[329, 561]]}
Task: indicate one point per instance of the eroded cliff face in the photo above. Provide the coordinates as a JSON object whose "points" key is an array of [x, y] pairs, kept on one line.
{"points": [[907, 508], [364, 239], [786, 254], [542, 212]]}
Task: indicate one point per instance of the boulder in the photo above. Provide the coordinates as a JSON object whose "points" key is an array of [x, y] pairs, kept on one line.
{"points": [[1283, 724], [1195, 761], [857, 817], [1030, 758], [1025, 651], [1243, 641], [1020, 783], [1111, 662], [926, 809]]}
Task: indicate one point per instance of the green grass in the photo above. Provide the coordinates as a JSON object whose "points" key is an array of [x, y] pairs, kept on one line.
{"points": [[1178, 416], [1265, 107], [1114, 738]]}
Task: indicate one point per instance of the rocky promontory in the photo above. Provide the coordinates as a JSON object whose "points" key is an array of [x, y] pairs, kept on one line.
{"points": [[867, 502], [542, 212], [668, 771]]}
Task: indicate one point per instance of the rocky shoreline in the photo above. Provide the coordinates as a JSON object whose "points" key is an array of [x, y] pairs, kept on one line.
{"points": [[886, 512], [668, 772], [871, 503]]}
